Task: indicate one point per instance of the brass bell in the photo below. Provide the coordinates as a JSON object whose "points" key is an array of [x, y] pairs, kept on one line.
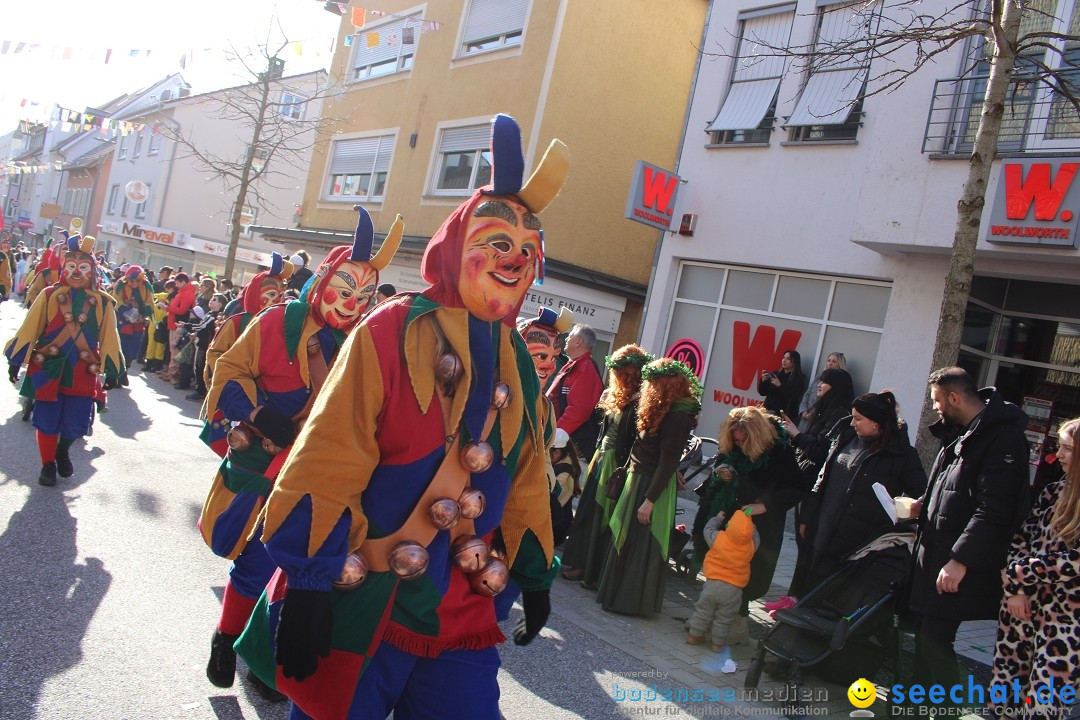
{"points": [[469, 552], [68, 317], [500, 397], [353, 573], [448, 369], [38, 358], [61, 298], [52, 351], [313, 346], [82, 317], [491, 579], [239, 438], [93, 368], [91, 301], [408, 560], [444, 513], [472, 503], [84, 355], [477, 457]]}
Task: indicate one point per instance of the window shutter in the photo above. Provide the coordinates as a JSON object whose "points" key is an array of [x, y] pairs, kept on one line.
{"points": [[491, 18], [354, 156], [474, 137], [386, 149], [758, 70], [389, 46]]}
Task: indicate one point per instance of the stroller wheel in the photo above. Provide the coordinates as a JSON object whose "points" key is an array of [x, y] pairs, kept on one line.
{"points": [[685, 558], [753, 674]]}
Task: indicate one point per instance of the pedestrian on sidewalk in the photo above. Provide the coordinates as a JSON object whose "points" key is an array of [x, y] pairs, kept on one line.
{"points": [[567, 469], [1038, 637], [204, 334], [727, 570], [587, 547], [179, 306], [635, 572]]}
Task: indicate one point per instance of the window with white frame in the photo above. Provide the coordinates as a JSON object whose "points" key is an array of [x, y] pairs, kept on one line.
{"points": [[125, 205], [464, 160], [140, 208], [68, 202], [114, 192], [84, 203], [292, 105], [248, 215], [493, 24], [385, 49], [749, 110], [830, 105], [155, 143], [122, 147], [258, 160], [137, 149], [359, 168]]}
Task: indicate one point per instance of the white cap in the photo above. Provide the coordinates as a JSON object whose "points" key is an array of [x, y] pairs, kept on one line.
{"points": [[561, 438], [297, 260], [198, 312]]}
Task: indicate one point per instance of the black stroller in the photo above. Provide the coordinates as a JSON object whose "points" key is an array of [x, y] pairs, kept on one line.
{"points": [[845, 625]]}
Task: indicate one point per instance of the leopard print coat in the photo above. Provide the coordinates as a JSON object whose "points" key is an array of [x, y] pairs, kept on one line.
{"points": [[1045, 649]]}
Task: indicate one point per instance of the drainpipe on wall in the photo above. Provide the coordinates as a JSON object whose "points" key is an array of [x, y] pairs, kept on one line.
{"points": [[678, 158]]}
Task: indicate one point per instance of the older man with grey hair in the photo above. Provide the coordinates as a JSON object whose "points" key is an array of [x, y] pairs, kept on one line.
{"points": [[576, 389]]}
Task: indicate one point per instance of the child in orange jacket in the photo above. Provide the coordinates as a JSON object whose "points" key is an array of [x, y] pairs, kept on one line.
{"points": [[727, 571]]}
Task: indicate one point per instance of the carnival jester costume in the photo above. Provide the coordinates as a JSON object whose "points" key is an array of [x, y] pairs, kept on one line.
{"points": [[262, 392], [262, 291], [44, 273], [67, 339], [426, 448], [134, 307]]}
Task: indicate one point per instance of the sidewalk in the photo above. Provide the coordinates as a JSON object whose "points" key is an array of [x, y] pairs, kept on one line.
{"points": [[660, 644]]}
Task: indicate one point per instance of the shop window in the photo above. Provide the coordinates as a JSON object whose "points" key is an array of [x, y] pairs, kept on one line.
{"points": [[749, 109], [857, 304], [359, 168], [749, 289], [805, 297], [691, 321], [464, 160], [860, 348], [698, 282], [979, 327], [385, 49], [830, 104], [493, 24]]}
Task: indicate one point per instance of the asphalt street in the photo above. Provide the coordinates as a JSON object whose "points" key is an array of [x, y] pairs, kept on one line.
{"points": [[108, 596]]}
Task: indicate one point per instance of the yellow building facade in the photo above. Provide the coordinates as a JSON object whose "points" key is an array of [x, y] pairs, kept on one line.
{"points": [[417, 85]]}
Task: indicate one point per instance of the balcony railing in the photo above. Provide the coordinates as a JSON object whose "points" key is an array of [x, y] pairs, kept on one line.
{"points": [[1035, 120]]}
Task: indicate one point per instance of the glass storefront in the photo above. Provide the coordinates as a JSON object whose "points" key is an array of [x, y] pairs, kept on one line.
{"points": [[1023, 337]]}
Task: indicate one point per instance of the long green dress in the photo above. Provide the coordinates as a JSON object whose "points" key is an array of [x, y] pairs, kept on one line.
{"points": [[635, 572]]}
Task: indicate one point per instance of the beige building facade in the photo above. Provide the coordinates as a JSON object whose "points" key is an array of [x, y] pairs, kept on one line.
{"points": [[409, 131]]}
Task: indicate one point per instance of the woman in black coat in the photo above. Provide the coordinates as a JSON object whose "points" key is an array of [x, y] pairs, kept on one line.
{"points": [[843, 512], [783, 389]]}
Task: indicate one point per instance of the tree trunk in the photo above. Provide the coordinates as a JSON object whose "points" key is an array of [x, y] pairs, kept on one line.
{"points": [[969, 212]]}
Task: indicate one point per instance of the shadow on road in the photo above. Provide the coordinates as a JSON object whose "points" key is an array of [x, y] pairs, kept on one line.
{"points": [[124, 417], [45, 621]]}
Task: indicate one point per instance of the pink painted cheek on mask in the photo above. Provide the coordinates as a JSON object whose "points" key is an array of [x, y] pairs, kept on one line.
{"points": [[330, 295], [475, 265]]}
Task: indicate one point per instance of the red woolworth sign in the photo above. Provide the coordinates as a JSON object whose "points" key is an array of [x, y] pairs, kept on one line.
{"points": [[652, 196], [753, 351], [1037, 203]]}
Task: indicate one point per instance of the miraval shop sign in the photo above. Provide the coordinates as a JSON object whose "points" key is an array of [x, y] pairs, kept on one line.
{"points": [[146, 233], [1037, 203]]}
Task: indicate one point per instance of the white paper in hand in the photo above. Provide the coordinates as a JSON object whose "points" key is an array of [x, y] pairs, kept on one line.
{"points": [[886, 501]]}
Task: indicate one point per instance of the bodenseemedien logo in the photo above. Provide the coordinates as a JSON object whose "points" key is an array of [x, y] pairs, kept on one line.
{"points": [[862, 695]]}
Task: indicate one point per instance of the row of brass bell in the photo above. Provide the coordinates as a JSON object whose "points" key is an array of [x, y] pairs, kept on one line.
{"points": [[63, 298], [487, 574], [445, 513], [68, 317]]}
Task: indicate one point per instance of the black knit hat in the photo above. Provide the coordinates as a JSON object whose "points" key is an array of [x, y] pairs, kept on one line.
{"points": [[876, 406]]}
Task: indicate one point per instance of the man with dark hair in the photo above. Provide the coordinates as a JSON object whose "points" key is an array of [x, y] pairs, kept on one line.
{"points": [[975, 501], [576, 389], [162, 275], [301, 272], [384, 292]]}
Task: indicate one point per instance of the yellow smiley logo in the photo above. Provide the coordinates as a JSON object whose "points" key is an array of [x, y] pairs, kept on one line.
{"points": [[862, 693]]}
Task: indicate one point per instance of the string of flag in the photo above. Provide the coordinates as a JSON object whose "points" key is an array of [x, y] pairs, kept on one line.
{"points": [[182, 56]]}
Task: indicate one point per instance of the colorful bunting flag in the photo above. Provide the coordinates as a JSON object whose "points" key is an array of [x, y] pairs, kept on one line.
{"points": [[357, 18]]}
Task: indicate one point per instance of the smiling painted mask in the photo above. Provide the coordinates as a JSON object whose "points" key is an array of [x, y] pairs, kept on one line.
{"points": [[77, 270], [541, 345], [270, 291], [347, 294], [498, 262]]}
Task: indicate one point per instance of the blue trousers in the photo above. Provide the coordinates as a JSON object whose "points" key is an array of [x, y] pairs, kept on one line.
{"points": [[68, 416], [252, 569], [457, 685], [130, 345]]}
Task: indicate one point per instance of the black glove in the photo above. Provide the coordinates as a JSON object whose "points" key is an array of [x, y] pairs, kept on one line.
{"points": [[279, 428], [13, 373], [537, 609], [110, 383], [303, 632]]}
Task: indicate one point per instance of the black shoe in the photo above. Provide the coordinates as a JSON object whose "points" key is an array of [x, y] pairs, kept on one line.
{"points": [[197, 396], [182, 386], [64, 468], [124, 380], [221, 669], [48, 474], [265, 691]]}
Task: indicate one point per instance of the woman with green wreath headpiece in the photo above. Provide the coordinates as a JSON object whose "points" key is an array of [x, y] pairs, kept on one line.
{"points": [[587, 546], [635, 571]]}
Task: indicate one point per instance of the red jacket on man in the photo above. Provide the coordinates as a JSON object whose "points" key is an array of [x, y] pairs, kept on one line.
{"points": [[181, 304], [575, 391]]}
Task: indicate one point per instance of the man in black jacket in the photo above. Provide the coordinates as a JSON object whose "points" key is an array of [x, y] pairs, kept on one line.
{"points": [[975, 502]]}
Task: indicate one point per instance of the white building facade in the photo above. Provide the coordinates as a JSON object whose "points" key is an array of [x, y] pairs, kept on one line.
{"points": [[824, 222]]}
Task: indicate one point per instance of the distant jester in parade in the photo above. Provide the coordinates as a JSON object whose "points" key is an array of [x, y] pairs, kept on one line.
{"points": [[134, 308], [418, 486], [262, 392], [540, 334], [265, 289], [68, 340], [44, 273]]}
